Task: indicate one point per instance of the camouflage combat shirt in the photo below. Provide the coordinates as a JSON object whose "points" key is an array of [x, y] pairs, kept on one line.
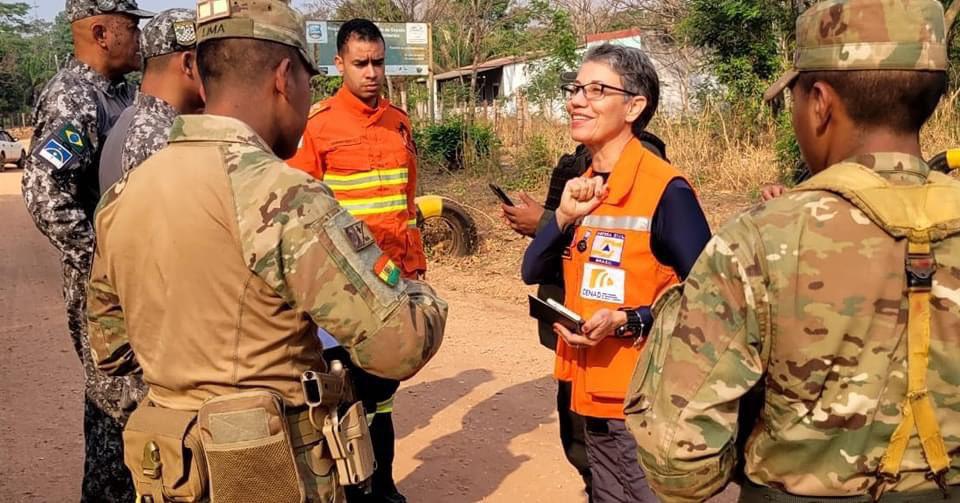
{"points": [[803, 295], [140, 131], [241, 259], [73, 114]]}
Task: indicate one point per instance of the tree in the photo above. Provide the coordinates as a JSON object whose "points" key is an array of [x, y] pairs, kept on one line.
{"points": [[558, 41], [30, 53]]}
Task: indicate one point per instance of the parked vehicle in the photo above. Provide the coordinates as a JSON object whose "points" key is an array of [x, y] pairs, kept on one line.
{"points": [[11, 151]]}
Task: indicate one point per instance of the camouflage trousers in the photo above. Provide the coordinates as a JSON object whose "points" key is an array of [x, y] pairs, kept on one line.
{"points": [[108, 402]]}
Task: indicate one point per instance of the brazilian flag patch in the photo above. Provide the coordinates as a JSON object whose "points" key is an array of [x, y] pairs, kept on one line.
{"points": [[72, 138], [387, 271]]}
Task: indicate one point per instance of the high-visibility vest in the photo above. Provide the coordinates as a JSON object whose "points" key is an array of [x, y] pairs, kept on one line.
{"points": [[611, 265], [368, 158]]}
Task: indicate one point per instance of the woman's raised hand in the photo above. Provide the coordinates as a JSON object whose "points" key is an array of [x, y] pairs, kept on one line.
{"points": [[580, 196]]}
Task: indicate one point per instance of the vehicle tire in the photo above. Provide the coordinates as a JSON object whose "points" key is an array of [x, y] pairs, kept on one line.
{"points": [[22, 160], [3, 162], [447, 230]]}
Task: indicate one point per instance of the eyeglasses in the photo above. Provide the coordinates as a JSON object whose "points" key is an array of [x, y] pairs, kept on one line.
{"points": [[594, 91]]}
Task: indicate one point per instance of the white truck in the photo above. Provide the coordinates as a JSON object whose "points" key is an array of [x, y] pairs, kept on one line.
{"points": [[11, 151]]}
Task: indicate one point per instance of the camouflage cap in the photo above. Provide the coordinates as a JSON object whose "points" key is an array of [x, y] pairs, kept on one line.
{"points": [[80, 9], [868, 35], [172, 30], [270, 20]]}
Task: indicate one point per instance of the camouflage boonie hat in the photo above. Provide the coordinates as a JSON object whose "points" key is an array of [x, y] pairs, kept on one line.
{"points": [[868, 35], [172, 30], [80, 9], [270, 20]]}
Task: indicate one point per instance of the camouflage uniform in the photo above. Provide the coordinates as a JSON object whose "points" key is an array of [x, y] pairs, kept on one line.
{"points": [[246, 257], [72, 116], [143, 128], [801, 303]]}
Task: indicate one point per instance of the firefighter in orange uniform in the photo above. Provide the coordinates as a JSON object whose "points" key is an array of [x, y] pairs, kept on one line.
{"points": [[362, 147]]}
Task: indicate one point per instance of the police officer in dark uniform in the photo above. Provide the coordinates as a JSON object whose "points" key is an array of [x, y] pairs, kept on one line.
{"points": [[73, 115]]}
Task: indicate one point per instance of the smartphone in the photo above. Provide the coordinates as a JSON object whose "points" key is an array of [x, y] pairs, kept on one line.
{"points": [[497, 191]]}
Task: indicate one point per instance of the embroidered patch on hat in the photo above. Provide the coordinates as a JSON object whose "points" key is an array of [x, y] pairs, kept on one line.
{"points": [[56, 154], [185, 32], [210, 10], [359, 235], [387, 271]]}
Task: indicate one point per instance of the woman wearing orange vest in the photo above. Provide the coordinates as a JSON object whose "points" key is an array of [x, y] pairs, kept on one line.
{"points": [[627, 229]]}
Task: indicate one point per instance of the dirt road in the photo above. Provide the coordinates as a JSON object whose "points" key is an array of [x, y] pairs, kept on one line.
{"points": [[478, 424]]}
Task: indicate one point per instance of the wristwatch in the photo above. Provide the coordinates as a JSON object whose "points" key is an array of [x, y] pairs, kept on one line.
{"points": [[634, 325]]}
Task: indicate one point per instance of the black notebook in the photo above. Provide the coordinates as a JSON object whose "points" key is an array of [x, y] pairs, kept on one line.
{"points": [[550, 311]]}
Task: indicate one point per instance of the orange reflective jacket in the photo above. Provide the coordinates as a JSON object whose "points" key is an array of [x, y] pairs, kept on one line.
{"points": [[368, 158], [610, 265]]}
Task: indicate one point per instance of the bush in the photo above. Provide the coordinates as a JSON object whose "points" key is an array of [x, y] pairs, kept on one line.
{"points": [[789, 160], [532, 164], [453, 144]]}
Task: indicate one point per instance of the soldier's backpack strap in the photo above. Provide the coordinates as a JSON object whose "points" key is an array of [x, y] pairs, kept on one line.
{"points": [[922, 214], [917, 407]]}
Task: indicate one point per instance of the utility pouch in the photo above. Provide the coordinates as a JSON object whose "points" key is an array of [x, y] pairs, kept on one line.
{"points": [[348, 439], [246, 440], [161, 448]]}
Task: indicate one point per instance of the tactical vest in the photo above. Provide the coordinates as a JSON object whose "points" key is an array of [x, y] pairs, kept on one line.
{"points": [[920, 215], [917, 215]]}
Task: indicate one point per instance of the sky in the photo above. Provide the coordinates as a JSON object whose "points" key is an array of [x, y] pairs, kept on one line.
{"points": [[48, 9]]}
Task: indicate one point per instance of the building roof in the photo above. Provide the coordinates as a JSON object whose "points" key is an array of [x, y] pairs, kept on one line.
{"points": [[613, 35], [511, 60], [482, 67]]}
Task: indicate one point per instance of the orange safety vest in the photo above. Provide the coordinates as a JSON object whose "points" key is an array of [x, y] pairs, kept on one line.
{"points": [[368, 158], [610, 265]]}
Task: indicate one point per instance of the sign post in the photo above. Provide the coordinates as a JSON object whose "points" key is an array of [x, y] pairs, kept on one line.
{"points": [[409, 48]]}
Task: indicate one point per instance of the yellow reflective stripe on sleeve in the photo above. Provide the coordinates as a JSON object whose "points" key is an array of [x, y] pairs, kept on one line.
{"points": [[375, 205], [412, 222], [366, 179]]}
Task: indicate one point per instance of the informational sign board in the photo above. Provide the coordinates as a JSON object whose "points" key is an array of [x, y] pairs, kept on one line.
{"points": [[408, 46]]}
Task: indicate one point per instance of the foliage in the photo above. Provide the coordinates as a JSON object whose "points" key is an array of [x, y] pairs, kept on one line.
{"points": [[324, 87], [787, 150], [30, 51], [559, 43], [531, 164], [744, 42], [453, 144]]}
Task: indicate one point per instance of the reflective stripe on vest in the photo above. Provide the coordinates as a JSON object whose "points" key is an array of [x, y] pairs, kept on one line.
{"points": [[412, 222], [366, 179], [917, 406], [375, 205], [639, 224]]}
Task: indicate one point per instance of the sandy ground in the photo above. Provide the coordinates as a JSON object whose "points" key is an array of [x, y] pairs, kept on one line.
{"points": [[478, 424]]}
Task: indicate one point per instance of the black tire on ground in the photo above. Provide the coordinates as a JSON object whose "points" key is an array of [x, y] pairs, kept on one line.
{"points": [[22, 160], [453, 233], [3, 162]]}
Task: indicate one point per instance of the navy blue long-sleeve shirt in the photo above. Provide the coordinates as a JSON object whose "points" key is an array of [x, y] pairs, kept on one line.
{"points": [[679, 232]]}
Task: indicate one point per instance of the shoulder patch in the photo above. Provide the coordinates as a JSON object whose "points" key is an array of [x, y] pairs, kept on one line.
{"points": [[387, 271], [318, 107], [73, 138], [359, 235], [56, 154]]}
